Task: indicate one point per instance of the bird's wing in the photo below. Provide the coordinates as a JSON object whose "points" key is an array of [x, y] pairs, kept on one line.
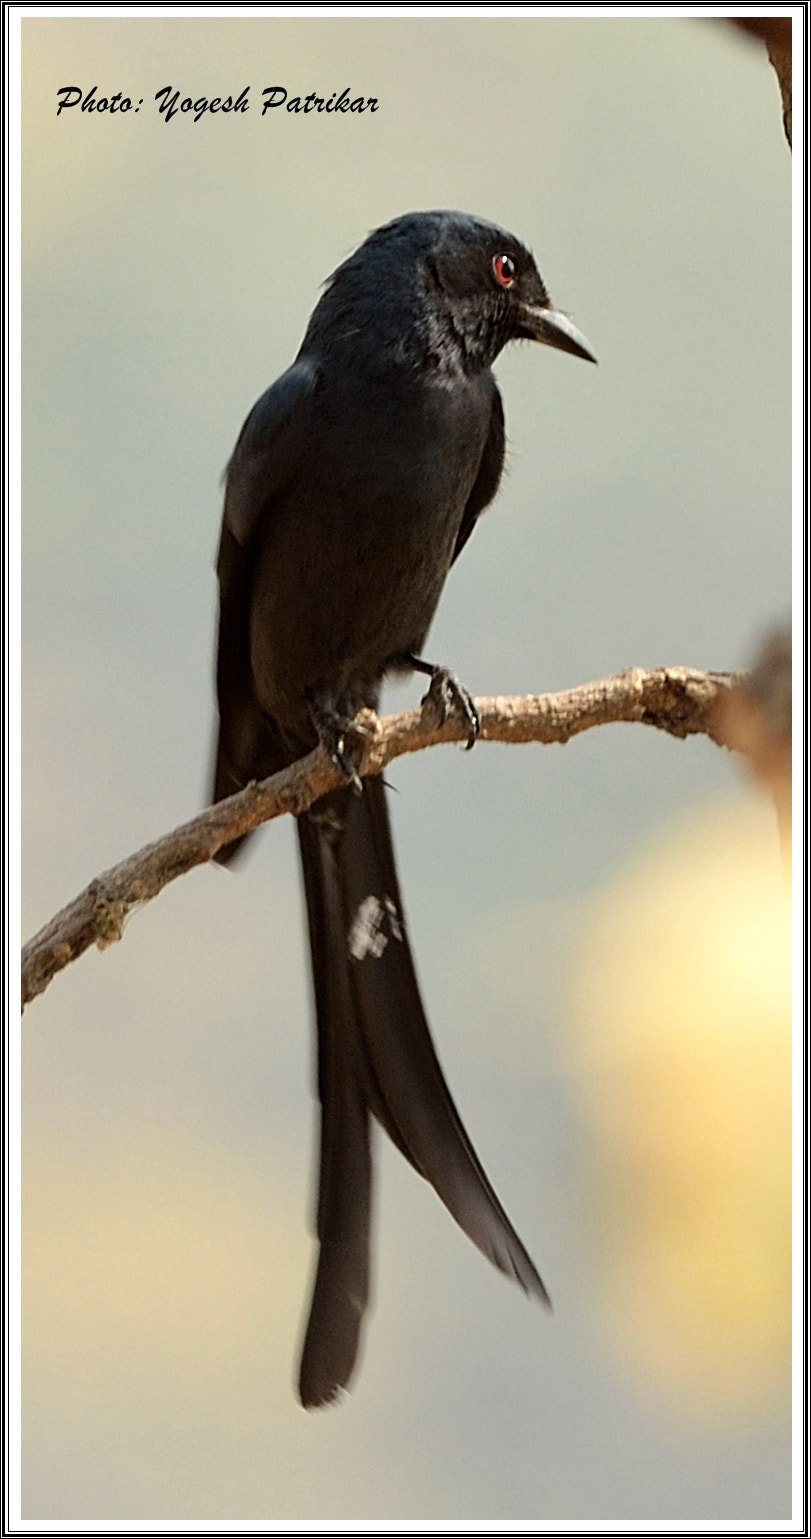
{"points": [[266, 451], [489, 474], [263, 462]]}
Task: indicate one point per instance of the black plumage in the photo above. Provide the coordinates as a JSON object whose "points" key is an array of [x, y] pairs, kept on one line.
{"points": [[356, 481]]}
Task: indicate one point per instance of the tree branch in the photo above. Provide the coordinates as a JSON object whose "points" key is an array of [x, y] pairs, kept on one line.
{"points": [[680, 701]]}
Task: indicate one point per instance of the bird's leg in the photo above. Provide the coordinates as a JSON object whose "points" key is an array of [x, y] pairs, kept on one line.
{"points": [[446, 693], [334, 728]]}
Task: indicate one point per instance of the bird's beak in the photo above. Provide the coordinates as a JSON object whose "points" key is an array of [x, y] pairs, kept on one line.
{"points": [[544, 324]]}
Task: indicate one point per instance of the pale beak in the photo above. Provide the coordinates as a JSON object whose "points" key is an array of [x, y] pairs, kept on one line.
{"points": [[544, 324]]}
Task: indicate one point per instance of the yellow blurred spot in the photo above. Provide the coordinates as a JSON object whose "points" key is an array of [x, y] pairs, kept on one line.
{"points": [[683, 1060], [148, 1258]]}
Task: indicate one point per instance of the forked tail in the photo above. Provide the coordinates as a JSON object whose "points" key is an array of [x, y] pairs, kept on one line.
{"points": [[375, 1054]]}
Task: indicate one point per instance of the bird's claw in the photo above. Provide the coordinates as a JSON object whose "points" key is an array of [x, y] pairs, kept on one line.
{"points": [[335, 734], [343, 762], [447, 695]]}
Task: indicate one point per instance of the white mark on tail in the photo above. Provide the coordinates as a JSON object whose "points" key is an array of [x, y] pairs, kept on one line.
{"points": [[366, 936], [374, 924], [395, 922]]}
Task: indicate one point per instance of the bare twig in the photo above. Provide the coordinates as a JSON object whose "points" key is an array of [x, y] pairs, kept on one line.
{"points": [[681, 701]]}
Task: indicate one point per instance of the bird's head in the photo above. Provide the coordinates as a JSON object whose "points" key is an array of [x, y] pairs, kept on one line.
{"points": [[450, 287], [488, 284]]}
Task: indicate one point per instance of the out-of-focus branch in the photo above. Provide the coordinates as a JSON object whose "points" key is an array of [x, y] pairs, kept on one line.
{"points": [[754, 718], [775, 32], [681, 701]]}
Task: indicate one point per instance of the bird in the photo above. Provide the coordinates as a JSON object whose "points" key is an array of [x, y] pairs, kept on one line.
{"points": [[356, 481]]}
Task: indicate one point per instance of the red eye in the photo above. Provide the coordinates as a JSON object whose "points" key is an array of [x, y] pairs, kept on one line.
{"points": [[504, 271]]}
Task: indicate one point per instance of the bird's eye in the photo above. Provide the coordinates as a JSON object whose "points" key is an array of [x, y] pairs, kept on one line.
{"points": [[504, 271]]}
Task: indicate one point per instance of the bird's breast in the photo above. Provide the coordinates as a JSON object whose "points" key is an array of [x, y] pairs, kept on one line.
{"points": [[352, 561]]}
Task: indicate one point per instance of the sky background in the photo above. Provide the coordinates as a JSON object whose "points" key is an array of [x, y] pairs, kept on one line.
{"points": [[600, 929]]}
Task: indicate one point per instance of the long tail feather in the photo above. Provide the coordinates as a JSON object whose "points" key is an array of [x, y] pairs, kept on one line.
{"points": [[341, 1286], [375, 1054], [417, 1107]]}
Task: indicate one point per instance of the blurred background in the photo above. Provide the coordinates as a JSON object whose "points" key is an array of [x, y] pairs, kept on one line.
{"points": [[601, 929]]}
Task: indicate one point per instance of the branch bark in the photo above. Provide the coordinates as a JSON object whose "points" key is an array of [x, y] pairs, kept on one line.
{"points": [[681, 701]]}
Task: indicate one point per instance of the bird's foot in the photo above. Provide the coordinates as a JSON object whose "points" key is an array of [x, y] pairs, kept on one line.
{"points": [[447, 695], [342, 737]]}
